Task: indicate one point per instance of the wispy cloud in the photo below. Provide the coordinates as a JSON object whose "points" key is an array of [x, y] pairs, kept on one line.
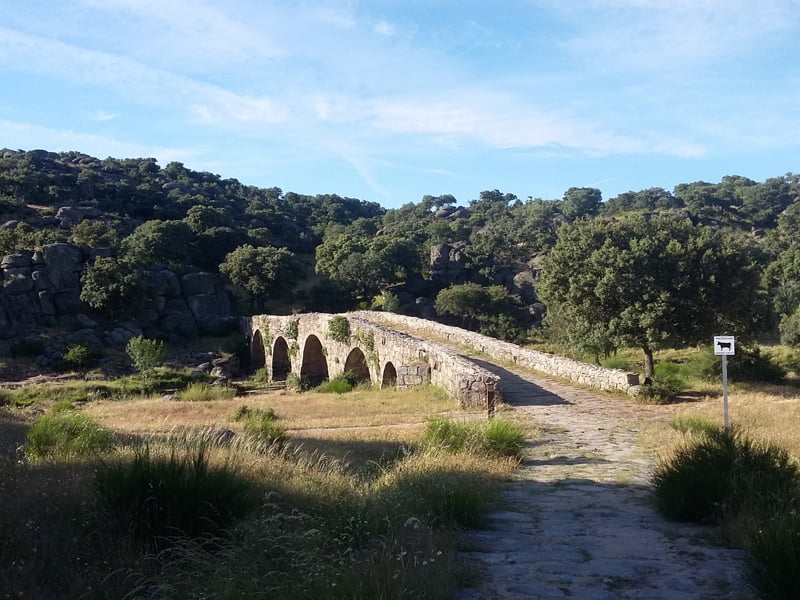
{"points": [[679, 33], [198, 32], [384, 28], [102, 115], [137, 82]]}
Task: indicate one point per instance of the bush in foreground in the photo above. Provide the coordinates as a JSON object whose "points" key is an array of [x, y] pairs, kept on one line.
{"points": [[720, 474], [66, 434], [261, 424], [155, 498], [774, 564], [494, 438]]}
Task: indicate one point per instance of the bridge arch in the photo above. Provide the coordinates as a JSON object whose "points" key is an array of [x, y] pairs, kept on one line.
{"points": [[356, 363], [258, 357], [314, 369], [389, 377], [281, 365]]}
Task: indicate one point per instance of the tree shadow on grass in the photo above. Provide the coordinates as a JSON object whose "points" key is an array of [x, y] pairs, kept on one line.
{"points": [[12, 432], [368, 458]]}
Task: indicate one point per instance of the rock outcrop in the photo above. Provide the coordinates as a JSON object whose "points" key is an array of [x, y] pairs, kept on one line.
{"points": [[41, 290], [448, 262]]}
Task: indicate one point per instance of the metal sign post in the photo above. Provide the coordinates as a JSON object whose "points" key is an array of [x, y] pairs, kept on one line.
{"points": [[724, 346]]}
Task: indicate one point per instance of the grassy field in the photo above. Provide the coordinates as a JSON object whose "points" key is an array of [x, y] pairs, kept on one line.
{"points": [[355, 498], [280, 495]]}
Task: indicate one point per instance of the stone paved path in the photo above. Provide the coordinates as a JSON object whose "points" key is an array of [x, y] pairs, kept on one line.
{"points": [[578, 522]]}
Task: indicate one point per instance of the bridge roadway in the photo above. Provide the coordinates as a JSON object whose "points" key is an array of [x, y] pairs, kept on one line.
{"points": [[578, 519]]}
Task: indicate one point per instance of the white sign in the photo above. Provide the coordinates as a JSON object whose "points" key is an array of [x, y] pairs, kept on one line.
{"points": [[724, 345]]}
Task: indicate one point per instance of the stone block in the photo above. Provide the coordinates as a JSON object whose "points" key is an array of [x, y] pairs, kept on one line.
{"points": [[194, 284], [17, 284]]}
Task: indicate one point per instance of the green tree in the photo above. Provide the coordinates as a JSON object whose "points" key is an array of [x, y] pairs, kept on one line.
{"points": [[168, 243], [367, 264], [490, 307], [465, 301], [581, 202], [95, 234], [113, 286], [260, 270], [649, 283], [146, 354], [200, 217]]}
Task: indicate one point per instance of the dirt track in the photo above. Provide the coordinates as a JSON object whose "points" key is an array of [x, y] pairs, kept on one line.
{"points": [[578, 521]]}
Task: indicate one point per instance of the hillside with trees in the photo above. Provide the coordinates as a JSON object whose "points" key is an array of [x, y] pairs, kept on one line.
{"points": [[646, 269]]}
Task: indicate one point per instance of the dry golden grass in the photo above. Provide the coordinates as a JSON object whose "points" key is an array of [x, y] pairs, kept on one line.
{"points": [[306, 411], [766, 412]]}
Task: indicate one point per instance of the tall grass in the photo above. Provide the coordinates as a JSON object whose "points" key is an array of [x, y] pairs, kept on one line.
{"points": [[723, 476], [774, 565], [202, 392], [261, 424], [494, 438], [67, 434], [155, 497], [165, 520]]}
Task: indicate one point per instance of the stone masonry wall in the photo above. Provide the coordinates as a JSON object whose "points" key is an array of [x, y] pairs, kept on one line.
{"points": [[415, 360], [575, 371]]}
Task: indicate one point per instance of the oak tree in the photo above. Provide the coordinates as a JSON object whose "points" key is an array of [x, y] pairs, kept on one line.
{"points": [[650, 283]]}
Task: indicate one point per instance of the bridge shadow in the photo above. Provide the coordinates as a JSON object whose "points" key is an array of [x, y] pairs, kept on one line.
{"points": [[564, 461], [519, 391]]}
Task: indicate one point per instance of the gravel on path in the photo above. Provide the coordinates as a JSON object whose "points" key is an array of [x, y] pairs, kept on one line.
{"points": [[578, 521]]}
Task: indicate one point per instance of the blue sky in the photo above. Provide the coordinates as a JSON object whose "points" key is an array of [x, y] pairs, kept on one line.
{"points": [[389, 100]]}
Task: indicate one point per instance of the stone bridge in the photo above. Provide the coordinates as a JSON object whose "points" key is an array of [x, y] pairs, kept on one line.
{"points": [[319, 346]]}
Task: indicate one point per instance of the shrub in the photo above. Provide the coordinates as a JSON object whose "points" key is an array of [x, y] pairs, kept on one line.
{"points": [[67, 434], [155, 498], [339, 329], [774, 561], [27, 348], [146, 354], [390, 302], [661, 391], [341, 384], [615, 361], [260, 376], [503, 438], [244, 412], [495, 438], [265, 428], [78, 356], [749, 364], [203, 392], [720, 474], [260, 423], [790, 329], [293, 381]]}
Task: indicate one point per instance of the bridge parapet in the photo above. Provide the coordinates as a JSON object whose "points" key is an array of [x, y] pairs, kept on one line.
{"points": [[319, 346], [566, 368]]}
